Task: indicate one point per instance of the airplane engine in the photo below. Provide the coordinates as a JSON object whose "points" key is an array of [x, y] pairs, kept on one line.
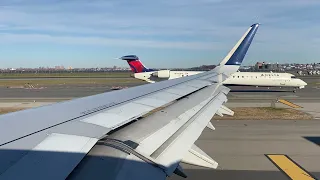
{"points": [[162, 74]]}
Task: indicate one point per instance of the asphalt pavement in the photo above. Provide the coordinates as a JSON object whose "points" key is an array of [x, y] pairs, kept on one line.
{"points": [[241, 149]]}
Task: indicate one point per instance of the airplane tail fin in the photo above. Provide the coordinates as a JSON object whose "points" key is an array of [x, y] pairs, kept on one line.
{"points": [[135, 64], [237, 53]]}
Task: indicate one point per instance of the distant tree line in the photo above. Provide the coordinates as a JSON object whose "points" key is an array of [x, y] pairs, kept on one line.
{"points": [[53, 71]]}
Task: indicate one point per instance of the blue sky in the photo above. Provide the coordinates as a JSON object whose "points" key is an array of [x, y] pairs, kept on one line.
{"points": [[166, 33]]}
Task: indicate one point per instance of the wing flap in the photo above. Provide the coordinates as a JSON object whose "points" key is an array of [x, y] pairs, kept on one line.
{"points": [[183, 139], [182, 90], [54, 158], [149, 101], [177, 137], [164, 96], [118, 116], [198, 83], [149, 145]]}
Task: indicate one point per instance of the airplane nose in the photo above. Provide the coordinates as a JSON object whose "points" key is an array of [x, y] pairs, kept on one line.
{"points": [[304, 83], [301, 83]]}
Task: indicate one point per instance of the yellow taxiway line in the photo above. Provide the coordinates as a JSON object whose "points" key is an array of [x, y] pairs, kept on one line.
{"points": [[288, 103], [289, 167]]}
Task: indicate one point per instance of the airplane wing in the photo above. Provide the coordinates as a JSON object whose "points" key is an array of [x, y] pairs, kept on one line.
{"points": [[142, 132]]}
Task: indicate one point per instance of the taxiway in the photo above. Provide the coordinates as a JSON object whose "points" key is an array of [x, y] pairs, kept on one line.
{"points": [[241, 147]]}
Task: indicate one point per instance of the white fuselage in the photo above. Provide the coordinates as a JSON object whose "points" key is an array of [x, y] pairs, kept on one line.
{"points": [[264, 79], [239, 78]]}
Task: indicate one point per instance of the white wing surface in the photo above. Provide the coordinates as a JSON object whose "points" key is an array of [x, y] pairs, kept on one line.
{"points": [[113, 135]]}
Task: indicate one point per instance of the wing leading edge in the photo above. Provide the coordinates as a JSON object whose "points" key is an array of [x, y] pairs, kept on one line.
{"points": [[65, 136]]}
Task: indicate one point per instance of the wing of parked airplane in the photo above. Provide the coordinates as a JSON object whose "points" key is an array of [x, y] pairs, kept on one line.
{"points": [[142, 132]]}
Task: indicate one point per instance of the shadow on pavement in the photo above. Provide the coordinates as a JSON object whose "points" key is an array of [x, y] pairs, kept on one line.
{"points": [[314, 139]]}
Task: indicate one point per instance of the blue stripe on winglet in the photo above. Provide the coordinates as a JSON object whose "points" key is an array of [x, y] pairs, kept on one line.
{"points": [[238, 56]]}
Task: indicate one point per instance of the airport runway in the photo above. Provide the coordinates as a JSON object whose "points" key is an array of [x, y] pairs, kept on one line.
{"points": [[66, 93], [238, 93], [308, 98], [240, 148], [60, 91]]}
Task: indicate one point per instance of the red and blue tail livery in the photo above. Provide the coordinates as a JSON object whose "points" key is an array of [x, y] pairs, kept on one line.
{"points": [[135, 64]]}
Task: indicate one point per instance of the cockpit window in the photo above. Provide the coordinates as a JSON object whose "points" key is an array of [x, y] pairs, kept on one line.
{"points": [[293, 77]]}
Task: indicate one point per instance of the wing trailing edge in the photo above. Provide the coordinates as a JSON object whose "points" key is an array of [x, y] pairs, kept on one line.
{"points": [[183, 139]]}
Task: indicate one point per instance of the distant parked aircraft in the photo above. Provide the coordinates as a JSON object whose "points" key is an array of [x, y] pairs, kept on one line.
{"points": [[267, 79]]}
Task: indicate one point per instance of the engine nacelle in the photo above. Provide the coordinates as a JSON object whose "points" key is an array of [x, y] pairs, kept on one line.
{"points": [[162, 74], [143, 76]]}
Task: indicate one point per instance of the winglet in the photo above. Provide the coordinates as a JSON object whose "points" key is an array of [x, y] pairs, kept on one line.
{"points": [[237, 53]]}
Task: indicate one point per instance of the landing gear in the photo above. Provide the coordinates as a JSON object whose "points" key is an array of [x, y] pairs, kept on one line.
{"points": [[294, 90]]}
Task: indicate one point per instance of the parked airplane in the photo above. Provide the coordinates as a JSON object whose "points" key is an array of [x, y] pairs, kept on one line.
{"points": [[268, 79], [108, 136]]}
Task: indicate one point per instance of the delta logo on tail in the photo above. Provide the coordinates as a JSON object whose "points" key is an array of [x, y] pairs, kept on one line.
{"points": [[135, 64]]}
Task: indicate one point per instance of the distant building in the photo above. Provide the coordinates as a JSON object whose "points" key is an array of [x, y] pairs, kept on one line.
{"points": [[59, 67], [309, 66], [267, 66], [259, 65]]}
